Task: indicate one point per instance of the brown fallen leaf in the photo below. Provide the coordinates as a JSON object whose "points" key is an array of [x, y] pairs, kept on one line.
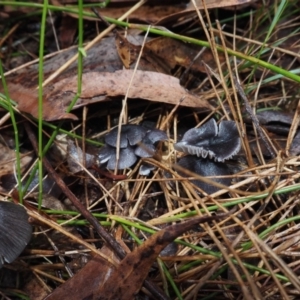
{"points": [[176, 53], [134, 268], [128, 52], [129, 48], [96, 86], [100, 280], [86, 280], [163, 54]]}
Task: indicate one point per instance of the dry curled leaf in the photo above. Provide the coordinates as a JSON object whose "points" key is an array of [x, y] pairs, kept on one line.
{"points": [[100, 280], [88, 279], [96, 86], [134, 268], [174, 52], [128, 52]]}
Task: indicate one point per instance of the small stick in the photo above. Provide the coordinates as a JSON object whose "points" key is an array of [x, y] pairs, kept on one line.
{"points": [[114, 177]]}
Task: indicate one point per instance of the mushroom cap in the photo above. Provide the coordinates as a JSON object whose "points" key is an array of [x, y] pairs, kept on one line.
{"points": [[146, 147], [155, 135], [130, 134], [145, 169], [272, 116], [205, 167], [210, 141], [15, 231], [126, 157]]}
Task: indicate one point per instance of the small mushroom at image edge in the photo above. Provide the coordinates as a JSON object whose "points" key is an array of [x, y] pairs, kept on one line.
{"points": [[135, 141], [208, 147], [15, 231], [210, 140]]}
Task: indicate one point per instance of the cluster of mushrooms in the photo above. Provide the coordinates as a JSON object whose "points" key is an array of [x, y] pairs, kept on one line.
{"points": [[135, 141], [206, 147], [206, 150]]}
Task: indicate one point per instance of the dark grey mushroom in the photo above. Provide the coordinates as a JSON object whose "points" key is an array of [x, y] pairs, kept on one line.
{"points": [[126, 157], [15, 231], [156, 135], [145, 169], [272, 117], [146, 147], [135, 141], [275, 121], [205, 167], [130, 133], [210, 141]]}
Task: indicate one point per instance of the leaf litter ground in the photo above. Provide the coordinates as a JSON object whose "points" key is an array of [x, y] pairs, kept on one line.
{"points": [[252, 252]]}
